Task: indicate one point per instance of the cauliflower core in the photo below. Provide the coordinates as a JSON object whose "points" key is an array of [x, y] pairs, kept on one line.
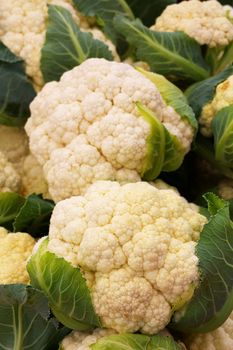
{"points": [[23, 28], [83, 340], [206, 22], [9, 178], [223, 98], [135, 245], [15, 249], [86, 127], [220, 339]]}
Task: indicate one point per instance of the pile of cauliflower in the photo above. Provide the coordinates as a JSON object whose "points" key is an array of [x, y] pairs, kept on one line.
{"points": [[128, 242]]}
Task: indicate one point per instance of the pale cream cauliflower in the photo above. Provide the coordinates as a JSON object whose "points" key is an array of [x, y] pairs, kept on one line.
{"points": [[135, 245], [223, 98], [14, 144], [15, 249], [225, 189], [220, 339], [82, 340], [205, 21], [32, 178], [9, 178], [23, 28], [87, 127]]}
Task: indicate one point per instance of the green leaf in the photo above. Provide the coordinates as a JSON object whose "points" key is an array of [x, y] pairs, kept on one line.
{"points": [[135, 342], [174, 153], [65, 287], [226, 2], [104, 11], [212, 302], [34, 216], [201, 93], [171, 54], [156, 143], [10, 205], [222, 127], [148, 10], [66, 46], [214, 203], [25, 321], [16, 92]]}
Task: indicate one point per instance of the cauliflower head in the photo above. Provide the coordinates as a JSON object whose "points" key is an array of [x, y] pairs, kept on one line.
{"points": [[32, 178], [135, 245], [15, 249], [87, 127], [220, 339], [205, 21], [223, 98], [23, 28], [14, 144], [83, 340], [225, 189], [9, 178]]}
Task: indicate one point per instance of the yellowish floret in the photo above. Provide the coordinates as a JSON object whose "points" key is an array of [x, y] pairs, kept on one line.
{"points": [[9, 178]]}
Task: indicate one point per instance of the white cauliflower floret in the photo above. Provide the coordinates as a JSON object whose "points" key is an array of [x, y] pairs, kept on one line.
{"points": [[204, 21], [32, 178], [14, 144], [15, 249], [87, 127], [23, 27], [225, 189], [223, 98], [219, 339], [82, 340], [9, 178], [135, 245]]}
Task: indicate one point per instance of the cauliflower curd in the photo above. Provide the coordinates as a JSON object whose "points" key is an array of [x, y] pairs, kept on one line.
{"points": [[23, 29], [135, 245], [87, 127], [9, 178], [205, 21]]}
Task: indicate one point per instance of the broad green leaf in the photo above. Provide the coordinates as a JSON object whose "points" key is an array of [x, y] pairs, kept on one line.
{"points": [[222, 126], [214, 203], [212, 302], [16, 91], [156, 144], [219, 58], [226, 2], [104, 11], [65, 287], [66, 46], [148, 10], [25, 321], [10, 205], [174, 153], [172, 95], [201, 93], [34, 216], [171, 54], [135, 342]]}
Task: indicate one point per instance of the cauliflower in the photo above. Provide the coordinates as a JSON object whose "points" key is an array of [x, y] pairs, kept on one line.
{"points": [[207, 22], [15, 249], [14, 144], [223, 97], [87, 127], [135, 245], [83, 340], [225, 189], [32, 178], [9, 178], [23, 28], [220, 339]]}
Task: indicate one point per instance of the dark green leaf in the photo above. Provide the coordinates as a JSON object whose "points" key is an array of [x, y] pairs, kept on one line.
{"points": [[226, 2], [25, 321], [170, 54], [34, 216], [222, 126], [135, 342], [148, 10], [212, 302], [65, 287], [66, 46], [10, 205], [201, 93], [104, 11], [16, 92]]}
